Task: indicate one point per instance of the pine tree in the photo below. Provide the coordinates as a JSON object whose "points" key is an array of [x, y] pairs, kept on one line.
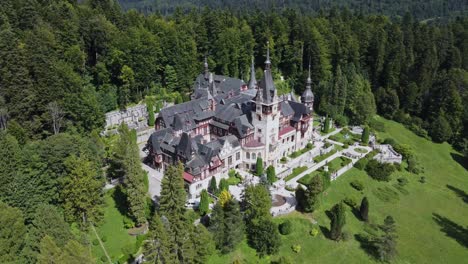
{"points": [[204, 203], [259, 167], [311, 194], [364, 209], [271, 174], [213, 187], [223, 185], [386, 243], [75, 253], [50, 253], [326, 126], [264, 237], [256, 203], [13, 232], [172, 206], [203, 243], [128, 79], [227, 226], [10, 153], [337, 221], [158, 247], [82, 190], [133, 174], [365, 135], [170, 79], [48, 220], [149, 106]]}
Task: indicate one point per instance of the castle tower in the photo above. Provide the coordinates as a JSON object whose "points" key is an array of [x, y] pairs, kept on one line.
{"points": [[266, 117], [307, 97]]}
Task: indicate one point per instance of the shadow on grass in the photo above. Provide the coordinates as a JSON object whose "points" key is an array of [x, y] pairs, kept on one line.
{"points": [[365, 242], [356, 214], [460, 193], [460, 160], [120, 200], [325, 231], [452, 229]]}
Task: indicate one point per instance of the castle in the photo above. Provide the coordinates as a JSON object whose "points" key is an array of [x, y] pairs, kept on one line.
{"points": [[229, 124]]}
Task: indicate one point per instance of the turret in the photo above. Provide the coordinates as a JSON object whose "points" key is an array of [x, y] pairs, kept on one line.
{"points": [[253, 80], [307, 97]]}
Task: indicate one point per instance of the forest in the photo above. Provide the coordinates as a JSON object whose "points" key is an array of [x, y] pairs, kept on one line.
{"points": [[64, 64], [420, 9]]}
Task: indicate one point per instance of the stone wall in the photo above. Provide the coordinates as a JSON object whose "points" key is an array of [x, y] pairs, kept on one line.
{"points": [[136, 117]]}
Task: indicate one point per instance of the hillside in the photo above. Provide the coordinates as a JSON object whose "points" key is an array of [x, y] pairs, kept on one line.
{"points": [[431, 217], [421, 9]]}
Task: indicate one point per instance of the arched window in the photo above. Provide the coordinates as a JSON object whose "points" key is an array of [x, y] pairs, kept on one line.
{"points": [[259, 155], [247, 155], [254, 156]]}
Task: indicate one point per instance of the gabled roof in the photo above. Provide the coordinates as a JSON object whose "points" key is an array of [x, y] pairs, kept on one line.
{"points": [[299, 110]]}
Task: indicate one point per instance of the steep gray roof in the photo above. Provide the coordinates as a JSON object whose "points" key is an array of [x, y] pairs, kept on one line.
{"points": [[286, 109], [299, 110]]}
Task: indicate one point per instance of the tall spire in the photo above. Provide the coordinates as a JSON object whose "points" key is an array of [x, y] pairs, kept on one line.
{"points": [[309, 80], [253, 80], [268, 62], [308, 97], [206, 68]]}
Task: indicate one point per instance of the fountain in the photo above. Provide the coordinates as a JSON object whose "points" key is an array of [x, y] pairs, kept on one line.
{"points": [[278, 200]]}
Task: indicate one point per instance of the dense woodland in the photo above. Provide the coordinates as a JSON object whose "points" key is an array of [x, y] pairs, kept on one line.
{"points": [[64, 64], [420, 9]]}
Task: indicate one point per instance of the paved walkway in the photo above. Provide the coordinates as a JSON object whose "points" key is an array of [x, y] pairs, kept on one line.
{"points": [[102, 245]]}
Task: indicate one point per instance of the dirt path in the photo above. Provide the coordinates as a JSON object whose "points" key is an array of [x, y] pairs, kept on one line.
{"points": [[102, 245]]}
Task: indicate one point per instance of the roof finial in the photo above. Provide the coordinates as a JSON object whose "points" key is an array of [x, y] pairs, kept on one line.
{"points": [[253, 80], [309, 80], [207, 70], [268, 62]]}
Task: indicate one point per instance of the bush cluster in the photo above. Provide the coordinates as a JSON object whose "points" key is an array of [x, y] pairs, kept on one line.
{"points": [[358, 185], [285, 228], [379, 171]]}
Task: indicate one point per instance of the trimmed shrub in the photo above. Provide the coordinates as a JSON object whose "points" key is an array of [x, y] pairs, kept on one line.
{"points": [[95, 242], [402, 181], [422, 179], [345, 236], [103, 238], [350, 202], [358, 185], [296, 248], [128, 223], [285, 228], [314, 232], [103, 259]]}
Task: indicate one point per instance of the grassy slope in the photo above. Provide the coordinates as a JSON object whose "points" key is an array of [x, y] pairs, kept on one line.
{"points": [[421, 239], [112, 228]]}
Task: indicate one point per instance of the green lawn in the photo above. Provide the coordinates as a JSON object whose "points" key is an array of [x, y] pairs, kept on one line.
{"points": [[295, 172], [337, 163], [349, 139], [112, 230], [307, 178], [431, 217]]}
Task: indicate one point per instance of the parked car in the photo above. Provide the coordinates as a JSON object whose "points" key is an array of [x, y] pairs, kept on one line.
{"points": [[192, 203]]}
